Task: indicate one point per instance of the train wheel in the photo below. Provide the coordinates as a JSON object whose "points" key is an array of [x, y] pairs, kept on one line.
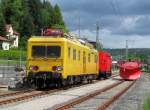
{"points": [[39, 83], [64, 82], [70, 80], [30, 83], [59, 83]]}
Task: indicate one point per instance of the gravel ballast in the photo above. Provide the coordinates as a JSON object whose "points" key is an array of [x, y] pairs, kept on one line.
{"points": [[135, 97], [49, 101], [132, 100]]}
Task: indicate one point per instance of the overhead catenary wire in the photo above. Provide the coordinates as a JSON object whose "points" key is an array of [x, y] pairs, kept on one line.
{"points": [[116, 8]]}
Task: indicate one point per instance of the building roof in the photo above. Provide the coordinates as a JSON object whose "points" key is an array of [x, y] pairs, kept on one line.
{"points": [[8, 27], [3, 39], [15, 33]]}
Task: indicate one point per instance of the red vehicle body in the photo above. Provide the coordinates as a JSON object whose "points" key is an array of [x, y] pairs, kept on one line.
{"points": [[105, 64], [130, 70]]}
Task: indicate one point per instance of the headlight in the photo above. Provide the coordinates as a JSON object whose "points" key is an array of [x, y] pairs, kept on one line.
{"points": [[34, 68], [57, 68]]}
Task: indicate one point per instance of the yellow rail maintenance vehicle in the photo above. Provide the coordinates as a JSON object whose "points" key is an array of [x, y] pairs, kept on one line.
{"points": [[60, 59]]}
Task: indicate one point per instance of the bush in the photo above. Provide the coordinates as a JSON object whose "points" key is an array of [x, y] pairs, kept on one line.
{"points": [[12, 54]]}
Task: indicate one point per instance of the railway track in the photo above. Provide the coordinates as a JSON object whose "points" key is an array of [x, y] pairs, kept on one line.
{"points": [[20, 96], [13, 97], [15, 93], [112, 99], [69, 105], [147, 75]]}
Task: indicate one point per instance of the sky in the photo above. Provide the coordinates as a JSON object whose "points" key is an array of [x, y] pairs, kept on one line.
{"points": [[119, 20]]}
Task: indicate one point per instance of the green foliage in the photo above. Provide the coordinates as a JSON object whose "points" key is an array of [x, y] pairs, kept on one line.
{"points": [[57, 15], [12, 54], [2, 24], [142, 54], [12, 10], [29, 17], [147, 104], [47, 13], [35, 7], [57, 20], [62, 27]]}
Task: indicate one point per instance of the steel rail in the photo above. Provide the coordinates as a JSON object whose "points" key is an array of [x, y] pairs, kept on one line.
{"points": [[30, 95], [106, 104], [15, 93], [26, 96], [85, 97]]}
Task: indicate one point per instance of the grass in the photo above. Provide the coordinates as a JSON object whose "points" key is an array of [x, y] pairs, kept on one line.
{"points": [[12, 54], [147, 104], [11, 62]]}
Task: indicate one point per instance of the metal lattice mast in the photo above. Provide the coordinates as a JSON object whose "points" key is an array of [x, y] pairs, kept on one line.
{"points": [[126, 49], [97, 35], [79, 26]]}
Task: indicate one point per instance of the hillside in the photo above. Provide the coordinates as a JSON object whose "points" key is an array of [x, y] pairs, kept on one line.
{"points": [[142, 54]]}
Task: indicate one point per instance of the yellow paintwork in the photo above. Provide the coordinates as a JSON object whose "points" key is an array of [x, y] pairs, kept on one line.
{"points": [[70, 66]]}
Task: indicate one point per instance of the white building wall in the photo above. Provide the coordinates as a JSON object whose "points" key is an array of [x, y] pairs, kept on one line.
{"points": [[5, 45], [15, 41], [12, 37], [10, 31]]}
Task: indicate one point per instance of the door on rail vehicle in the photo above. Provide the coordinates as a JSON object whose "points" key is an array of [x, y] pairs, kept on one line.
{"points": [[84, 62]]}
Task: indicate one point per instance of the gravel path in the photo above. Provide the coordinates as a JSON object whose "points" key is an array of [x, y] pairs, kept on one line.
{"points": [[134, 98]]}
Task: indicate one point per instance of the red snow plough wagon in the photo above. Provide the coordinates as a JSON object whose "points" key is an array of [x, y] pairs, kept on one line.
{"points": [[129, 70]]}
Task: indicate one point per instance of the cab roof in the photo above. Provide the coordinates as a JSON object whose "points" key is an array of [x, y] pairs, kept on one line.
{"points": [[55, 39]]}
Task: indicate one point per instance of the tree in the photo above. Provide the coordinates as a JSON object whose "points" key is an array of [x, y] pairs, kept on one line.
{"points": [[58, 19], [12, 10], [62, 27], [26, 25], [57, 16], [26, 28], [47, 14], [35, 11], [29, 17], [2, 24]]}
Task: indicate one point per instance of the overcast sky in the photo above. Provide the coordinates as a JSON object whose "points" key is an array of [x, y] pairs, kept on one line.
{"points": [[119, 20]]}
